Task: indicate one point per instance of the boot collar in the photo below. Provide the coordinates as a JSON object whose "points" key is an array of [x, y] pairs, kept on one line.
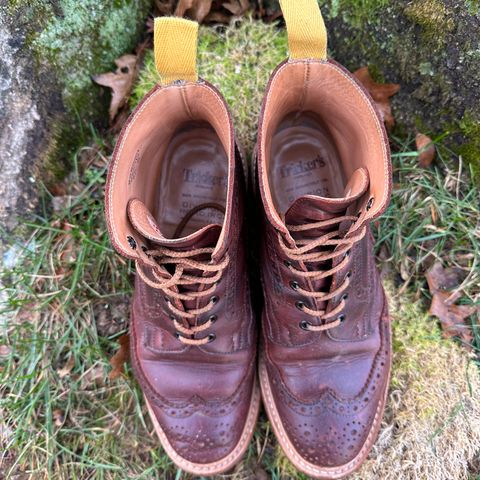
{"points": [[156, 112], [345, 99]]}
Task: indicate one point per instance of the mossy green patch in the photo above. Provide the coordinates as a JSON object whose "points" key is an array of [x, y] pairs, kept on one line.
{"points": [[473, 6], [356, 13], [72, 40], [433, 16], [85, 39], [470, 149]]}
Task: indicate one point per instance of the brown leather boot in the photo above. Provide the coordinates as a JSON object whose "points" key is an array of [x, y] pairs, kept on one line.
{"points": [[324, 174], [174, 205]]}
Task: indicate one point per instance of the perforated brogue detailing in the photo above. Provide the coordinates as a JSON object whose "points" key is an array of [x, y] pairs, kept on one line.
{"points": [[214, 442], [332, 430], [210, 426], [198, 406], [327, 445]]}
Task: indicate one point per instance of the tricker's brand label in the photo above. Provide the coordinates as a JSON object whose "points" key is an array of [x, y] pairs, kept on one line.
{"points": [[302, 166], [202, 177]]}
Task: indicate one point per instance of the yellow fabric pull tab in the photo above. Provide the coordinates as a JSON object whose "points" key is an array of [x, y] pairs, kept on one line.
{"points": [[175, 46], [307, 35]]}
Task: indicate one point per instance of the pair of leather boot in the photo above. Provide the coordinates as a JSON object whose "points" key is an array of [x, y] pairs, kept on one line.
{"points": [[175, 204]]}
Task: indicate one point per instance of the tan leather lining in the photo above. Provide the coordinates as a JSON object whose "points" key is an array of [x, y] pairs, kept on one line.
{"points": [[137, 161], [336, 99]]}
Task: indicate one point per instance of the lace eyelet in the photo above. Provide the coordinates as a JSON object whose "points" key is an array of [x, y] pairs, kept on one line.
{"points": [[214, 299], [341, 318], [304, 325], [211, 337], [167, 300], [347, 253], [369, 204], [177, 335], [212, 318], [294, 284], [287, 263], [172, 318], [344, 296], [349, 274], [300, 305], [131, 241]]}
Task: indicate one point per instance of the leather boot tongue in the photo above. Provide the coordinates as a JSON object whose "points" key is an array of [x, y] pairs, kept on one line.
{"points": [[145, 224], [312, 208]]}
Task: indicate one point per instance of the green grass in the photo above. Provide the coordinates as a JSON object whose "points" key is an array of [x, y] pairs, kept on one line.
{"points": [[434, 215], [66, 303]]}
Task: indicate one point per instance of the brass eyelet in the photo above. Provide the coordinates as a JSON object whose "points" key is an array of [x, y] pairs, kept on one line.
{"points": [[341, 317], [213, 299], [344, 296], [212, 318], [132, 242], [294, 284], [287, 263], [211, 337], [300, 305], [304, 325]]}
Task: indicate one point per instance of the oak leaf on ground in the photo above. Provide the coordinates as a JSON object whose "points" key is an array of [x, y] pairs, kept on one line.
{"points": [[426, 150], [453, 318], [121, 81], [195, 9], [121, 356], [380, 92]]}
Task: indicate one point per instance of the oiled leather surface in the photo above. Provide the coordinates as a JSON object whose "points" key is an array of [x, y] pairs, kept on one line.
{"points": [[329, 386], [177, 151], [200, 394]]}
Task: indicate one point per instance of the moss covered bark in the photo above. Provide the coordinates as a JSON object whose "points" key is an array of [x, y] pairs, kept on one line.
{"points": [[59, 45], [430, 47]]}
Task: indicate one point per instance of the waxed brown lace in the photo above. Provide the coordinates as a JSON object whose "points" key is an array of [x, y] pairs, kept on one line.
{"points": [[159, 257], [306, 250], [166, 282]]}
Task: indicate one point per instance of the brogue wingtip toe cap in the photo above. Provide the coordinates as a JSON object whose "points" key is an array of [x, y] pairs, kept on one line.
{"points": [[201, 435]]}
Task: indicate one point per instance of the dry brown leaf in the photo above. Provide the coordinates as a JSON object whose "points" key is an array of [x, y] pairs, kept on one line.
{"points": [[121, 356], [434, 214], [58, 417], [453, 318], [426, 150], [120, 81], [380, 92], [236, 7], [440, 279], [195, 9], [67, 368], [163, 7]]}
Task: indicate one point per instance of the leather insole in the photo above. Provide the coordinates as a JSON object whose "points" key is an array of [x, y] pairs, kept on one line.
{"points": [[194, 172], [303, 161]]}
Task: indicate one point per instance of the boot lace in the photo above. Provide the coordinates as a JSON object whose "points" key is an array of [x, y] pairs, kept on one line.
{"points": [[305, 250], [183, 262]]}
